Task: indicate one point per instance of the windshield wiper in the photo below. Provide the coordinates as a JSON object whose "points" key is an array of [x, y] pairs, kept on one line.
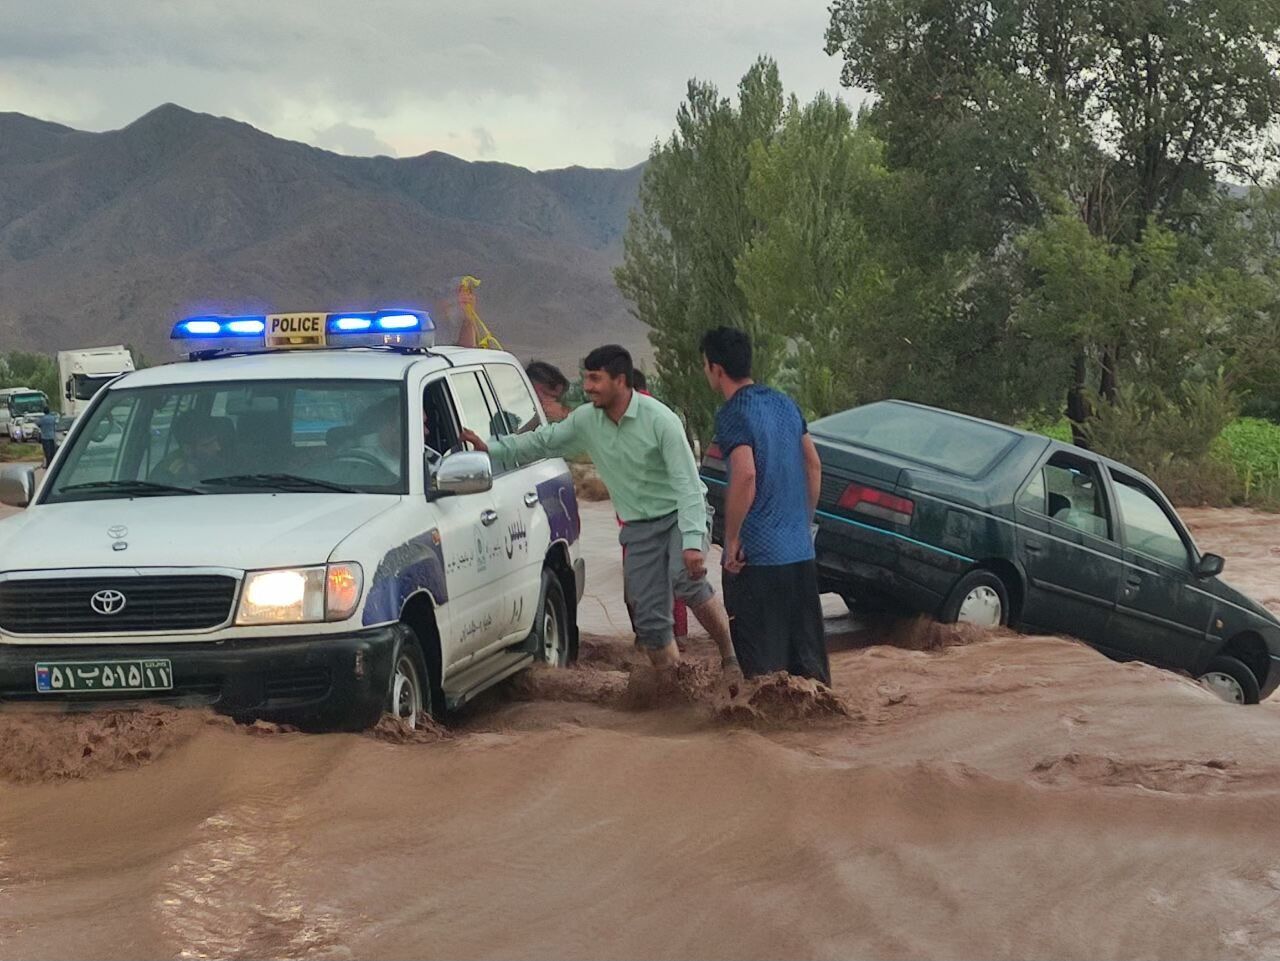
{"points": [[132, 487], [283, 482]]}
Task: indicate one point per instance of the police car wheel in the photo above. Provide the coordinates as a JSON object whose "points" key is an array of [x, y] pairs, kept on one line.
{"points": [[409, 695], [552, 626]]}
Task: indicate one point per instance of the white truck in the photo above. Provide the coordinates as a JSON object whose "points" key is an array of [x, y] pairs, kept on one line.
{"points": [[5, 416], [82, 373], [22, 408]]}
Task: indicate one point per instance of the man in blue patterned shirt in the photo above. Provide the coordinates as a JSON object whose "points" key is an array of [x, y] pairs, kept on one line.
{"points": [[770, 578]]}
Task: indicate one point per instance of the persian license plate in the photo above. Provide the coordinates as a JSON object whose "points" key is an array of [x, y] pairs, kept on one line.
{"points": [[97, 677], [296, 330]]}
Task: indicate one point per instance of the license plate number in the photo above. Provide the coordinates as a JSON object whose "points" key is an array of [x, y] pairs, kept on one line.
{"points": [[96, 677]]}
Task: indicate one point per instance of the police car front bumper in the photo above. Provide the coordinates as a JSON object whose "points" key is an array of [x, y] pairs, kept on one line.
{"points": [[325, 681]]}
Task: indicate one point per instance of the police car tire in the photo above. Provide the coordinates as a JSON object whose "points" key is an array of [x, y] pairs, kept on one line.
{"points": [[552, 594], [410, 647]]}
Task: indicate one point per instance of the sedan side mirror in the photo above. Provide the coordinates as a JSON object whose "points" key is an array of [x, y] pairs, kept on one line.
{"points": [[1210, 565], [17, 485], [466, 472]]}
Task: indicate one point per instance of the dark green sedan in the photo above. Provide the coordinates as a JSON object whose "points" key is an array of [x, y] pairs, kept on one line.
{"points": [[968, 520]]}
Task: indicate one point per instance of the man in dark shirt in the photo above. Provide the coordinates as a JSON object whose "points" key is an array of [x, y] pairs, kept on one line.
{"points": [[47, 424], [770, 579]]}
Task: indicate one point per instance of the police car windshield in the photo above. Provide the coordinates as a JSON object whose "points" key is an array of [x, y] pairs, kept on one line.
{"points": [[239, 437]]}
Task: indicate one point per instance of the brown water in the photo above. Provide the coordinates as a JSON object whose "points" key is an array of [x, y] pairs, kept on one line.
{"points": [[956, 795]]}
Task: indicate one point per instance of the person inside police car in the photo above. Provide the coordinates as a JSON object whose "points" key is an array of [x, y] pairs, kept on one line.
{"points": [[200, 451]]}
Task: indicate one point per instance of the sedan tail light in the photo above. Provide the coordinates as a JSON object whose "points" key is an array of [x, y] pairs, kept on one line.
{"points": [[877, 503]]}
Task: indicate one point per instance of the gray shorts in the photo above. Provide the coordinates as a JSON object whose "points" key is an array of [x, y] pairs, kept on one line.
{"points": [[654, 575]]}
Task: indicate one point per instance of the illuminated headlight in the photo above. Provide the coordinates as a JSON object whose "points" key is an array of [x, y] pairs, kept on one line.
{"points": [[301, 595]]}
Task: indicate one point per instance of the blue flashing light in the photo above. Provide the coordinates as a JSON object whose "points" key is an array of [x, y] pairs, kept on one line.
{"points": [[403, 327], [217, 328], [400, 322], [349, 324]]}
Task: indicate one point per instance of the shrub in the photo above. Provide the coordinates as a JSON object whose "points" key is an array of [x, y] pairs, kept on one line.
{"points": [[1151, 431]]}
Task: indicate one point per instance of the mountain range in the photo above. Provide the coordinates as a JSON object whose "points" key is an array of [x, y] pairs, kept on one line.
{"points": [[112, 237]]}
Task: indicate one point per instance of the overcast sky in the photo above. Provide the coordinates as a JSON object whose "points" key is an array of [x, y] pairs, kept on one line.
{"points": [[540, 83]]}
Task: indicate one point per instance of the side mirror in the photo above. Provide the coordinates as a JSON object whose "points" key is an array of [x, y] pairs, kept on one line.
{"points": [[1210, 565], [17, 485], [67, 390], [466, 472]]}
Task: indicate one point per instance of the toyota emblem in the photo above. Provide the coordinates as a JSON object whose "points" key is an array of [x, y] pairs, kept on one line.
{"points": [[108, 602]]}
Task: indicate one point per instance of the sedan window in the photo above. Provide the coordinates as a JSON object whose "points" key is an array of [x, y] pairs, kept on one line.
{"points": [[1032, 496], [1068, 490], [1147, 528]]}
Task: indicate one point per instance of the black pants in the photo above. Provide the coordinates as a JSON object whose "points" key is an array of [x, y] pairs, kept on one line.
{"points": [[49, 450], [775, 619]]}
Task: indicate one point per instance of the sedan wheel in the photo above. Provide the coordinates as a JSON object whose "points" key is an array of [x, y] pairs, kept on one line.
{"points": [[981, 607], [1231, 679], [1223, 685], [980, 599]]}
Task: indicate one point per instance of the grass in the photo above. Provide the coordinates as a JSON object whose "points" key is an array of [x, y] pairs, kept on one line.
{"points": [[1252, 446], [20, 452]]}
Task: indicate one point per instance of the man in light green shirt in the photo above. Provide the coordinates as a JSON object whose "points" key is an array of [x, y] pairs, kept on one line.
{"points": [[639, 449]]}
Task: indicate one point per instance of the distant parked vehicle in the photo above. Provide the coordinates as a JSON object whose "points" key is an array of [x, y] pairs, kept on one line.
{"points": [[17, 406], [968, 520], [82, 373]]}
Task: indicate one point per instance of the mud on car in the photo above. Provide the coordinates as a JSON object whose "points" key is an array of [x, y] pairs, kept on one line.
{"points": [[285, 527], [929, 511]]}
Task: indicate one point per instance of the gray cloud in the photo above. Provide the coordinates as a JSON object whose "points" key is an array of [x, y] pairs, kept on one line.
{"points": [[554, 84], [356, 141]]}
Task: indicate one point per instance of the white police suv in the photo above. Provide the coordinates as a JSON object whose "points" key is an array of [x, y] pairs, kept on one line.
{"points": [[285, 527]]}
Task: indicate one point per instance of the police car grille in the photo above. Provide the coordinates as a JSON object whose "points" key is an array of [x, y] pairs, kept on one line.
{"points": [[162, 603]]}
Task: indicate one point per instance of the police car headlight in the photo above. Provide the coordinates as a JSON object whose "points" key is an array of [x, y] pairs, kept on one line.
{"points": [[301, 595]]}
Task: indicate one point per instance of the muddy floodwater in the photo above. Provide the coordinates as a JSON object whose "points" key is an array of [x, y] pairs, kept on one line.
{"points": [[958, 795]]}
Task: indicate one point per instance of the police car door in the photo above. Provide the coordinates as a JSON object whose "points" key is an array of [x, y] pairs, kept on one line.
{"points": [[528, 529], [470, 617]]}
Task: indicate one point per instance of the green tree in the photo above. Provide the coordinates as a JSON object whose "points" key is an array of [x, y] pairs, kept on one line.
{"points": [[37, 371], [688, 230], [811, 274], [1122, 113]]}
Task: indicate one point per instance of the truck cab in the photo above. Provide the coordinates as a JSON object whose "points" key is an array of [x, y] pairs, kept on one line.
{"points": [[82, 373]]}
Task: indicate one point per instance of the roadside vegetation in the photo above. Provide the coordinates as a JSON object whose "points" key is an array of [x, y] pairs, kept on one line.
{"points": [[19, 368], [1079, 234], [12, 453]]}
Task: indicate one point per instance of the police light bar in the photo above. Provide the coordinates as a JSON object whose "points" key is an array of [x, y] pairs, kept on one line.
{"points": [[300, 331]]}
